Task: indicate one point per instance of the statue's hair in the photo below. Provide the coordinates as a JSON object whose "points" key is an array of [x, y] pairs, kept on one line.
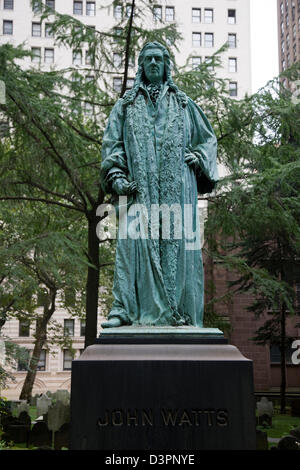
{"points": [[130, 96]]}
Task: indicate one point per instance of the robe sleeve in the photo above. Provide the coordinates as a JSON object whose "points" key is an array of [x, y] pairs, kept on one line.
{"points": [[204, 146], [114, 162]]}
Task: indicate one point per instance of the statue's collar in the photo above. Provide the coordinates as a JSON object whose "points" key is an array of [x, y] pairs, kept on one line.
{"points": [[164, 90]]}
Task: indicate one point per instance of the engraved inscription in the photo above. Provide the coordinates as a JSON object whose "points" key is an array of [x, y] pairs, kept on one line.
{"points": [[166, 417]]}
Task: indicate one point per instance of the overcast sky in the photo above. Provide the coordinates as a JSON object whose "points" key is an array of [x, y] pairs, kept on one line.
{"points": [[264, 45]]}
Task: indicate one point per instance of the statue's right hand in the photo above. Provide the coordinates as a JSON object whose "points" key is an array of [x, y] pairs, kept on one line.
{"points": [[121, 186]]}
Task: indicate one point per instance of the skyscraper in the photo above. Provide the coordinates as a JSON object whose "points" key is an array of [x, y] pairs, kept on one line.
{"points": [[288, 32]]}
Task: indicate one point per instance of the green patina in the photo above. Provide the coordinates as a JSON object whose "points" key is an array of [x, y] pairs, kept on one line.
{"points": [[159, 149]]}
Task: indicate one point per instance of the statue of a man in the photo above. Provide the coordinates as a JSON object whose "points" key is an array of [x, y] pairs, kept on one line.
{"points": [[160, 151]]}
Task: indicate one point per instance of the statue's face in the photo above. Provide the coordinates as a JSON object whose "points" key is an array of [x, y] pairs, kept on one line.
{"points": [[154, 65]]}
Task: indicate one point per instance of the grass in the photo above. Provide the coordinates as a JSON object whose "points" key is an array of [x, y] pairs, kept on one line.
{"points": [[282, 425]]}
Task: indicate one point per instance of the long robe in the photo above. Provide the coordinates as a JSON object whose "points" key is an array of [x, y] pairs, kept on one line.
{"points": [[159, 280]]}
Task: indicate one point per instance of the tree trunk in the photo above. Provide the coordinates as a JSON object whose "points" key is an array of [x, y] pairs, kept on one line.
{"points": [[41, 335], [92, 284], [41, 332], [283, 361]]}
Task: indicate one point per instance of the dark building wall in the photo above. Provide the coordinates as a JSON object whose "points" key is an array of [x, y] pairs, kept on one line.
{"points": [[243, 327]]}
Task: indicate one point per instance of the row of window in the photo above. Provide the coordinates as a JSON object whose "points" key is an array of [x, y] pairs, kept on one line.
{"points": [[209, 40], [9, 4], [168, 14], [69, 325], [23, 364]]}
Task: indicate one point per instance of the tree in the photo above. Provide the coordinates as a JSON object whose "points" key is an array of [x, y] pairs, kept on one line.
{"points": [[54, 152], [256, 211], [41, 259]]}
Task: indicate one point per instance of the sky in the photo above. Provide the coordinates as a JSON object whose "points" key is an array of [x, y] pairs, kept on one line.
{"points": [[264, 42]]}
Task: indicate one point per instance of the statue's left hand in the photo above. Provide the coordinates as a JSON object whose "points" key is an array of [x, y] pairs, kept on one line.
{"points": [[191, 160]]}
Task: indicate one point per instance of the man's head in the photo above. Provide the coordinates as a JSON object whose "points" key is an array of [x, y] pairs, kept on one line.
{"points": [[155, 61]]}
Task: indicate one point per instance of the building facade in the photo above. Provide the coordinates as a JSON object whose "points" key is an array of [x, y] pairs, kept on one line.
{"points": [[205, 26], [288, 32]]}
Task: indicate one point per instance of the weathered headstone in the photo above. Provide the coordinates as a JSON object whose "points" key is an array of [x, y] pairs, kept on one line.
{"points": [[296, 433], [42, 405], [261, 440], [24, 418], [40, 435], [62, 437], [63, 396], [57, 415], [23, 406], [265, 412]]}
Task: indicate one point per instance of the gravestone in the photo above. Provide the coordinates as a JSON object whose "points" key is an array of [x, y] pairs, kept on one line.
{"points": [[62, 437], [22, 406], [261, 440], [168, 391], [24, 418], [42, 405], [265, 412], [295, 408], [63, 396], [296, 433], [40, 435]]}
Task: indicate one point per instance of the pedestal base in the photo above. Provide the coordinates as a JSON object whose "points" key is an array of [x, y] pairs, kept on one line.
{"points": [[158, 396]]}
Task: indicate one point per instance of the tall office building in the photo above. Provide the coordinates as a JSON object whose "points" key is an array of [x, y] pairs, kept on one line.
{"points": [[205, 26], [288, 32]]}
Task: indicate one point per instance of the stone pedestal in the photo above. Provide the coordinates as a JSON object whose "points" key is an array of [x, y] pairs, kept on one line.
{"points": [[163, 389]]}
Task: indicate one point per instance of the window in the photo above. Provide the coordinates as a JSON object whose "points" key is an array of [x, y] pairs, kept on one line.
{"points": [[90, 9], [77, 8], [275, 354], [77, 57], [209, 40], [36, 51], [48, 31], [82, 322], [117, 59], [88, 61], [36, 29], [23, 362], [8, 4], [35, 7], [128, 10], [231, 19], [196, 39], [50, 4], [131, 61], [117, 32], [196, 61], [208, 15], [41, 365], [157, 13], [208, 61], [233, 89], [67, 364], [7, 27], [49, 56], [118, 12], [170, 13], [69, 327], [232, 40], [283, 65], [196, 15], [24, 328], [129, 83], [232, 64], [117, 84]]}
